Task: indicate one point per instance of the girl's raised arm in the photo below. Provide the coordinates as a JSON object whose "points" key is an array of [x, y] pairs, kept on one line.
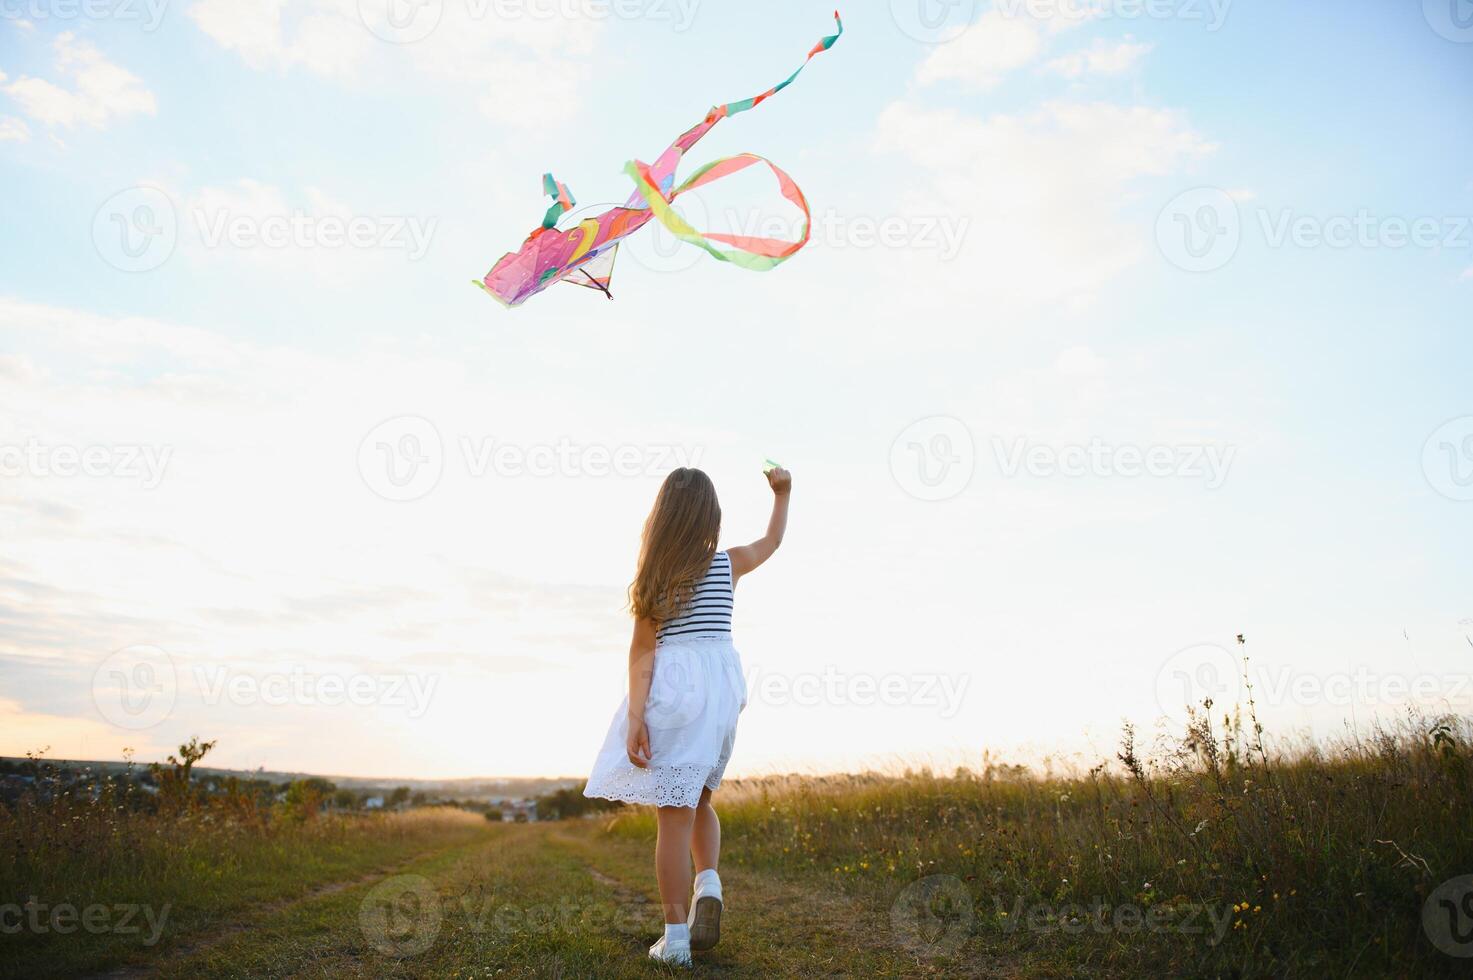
{"points": [[748, 557]]}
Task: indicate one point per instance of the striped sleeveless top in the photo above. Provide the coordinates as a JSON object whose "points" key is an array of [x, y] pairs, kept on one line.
{"points": [[708, 613]]}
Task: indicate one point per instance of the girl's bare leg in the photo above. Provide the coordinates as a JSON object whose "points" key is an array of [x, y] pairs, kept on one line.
{"points": [[705, 841], [672, 860]]}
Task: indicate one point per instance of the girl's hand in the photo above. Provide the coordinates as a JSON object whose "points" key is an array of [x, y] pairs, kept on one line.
{"points": [[780, 480], [637, 745]]}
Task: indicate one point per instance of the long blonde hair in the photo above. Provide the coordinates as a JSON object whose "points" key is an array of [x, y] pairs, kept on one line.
{"points": [[677, 547]]}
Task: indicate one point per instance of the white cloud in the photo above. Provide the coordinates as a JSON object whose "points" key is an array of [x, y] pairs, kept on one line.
{"points": [[101, 91], [1078, 362], [1044, 190], [1467, 274], [15, 129], [991, 48], [321, 37], [1100, 58], [521, 70], [1000, 42]]}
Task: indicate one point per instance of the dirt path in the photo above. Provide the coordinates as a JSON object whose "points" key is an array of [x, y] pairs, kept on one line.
{"points": [[545, 900], [199, 944]]}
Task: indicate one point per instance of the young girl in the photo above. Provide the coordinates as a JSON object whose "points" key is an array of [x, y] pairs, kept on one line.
{"points": [[671, 739]]}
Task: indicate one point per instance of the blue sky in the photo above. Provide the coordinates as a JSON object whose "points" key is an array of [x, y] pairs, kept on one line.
{"points": [[1035, 166]]}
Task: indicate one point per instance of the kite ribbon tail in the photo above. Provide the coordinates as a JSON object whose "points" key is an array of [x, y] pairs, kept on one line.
{"points": [[562, 200], [756, 254], [664, 168], [824, 43]]}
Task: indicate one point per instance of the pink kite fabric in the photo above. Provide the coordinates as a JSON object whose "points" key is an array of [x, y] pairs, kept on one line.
{"points": [[583, 253]]}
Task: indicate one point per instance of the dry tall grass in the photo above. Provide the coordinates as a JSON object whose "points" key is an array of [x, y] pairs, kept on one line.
{"points": [[105, 848], [1250, 861]]}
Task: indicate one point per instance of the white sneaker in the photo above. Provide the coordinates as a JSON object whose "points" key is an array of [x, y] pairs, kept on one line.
{"points": [[671, 951], [705, 912]]}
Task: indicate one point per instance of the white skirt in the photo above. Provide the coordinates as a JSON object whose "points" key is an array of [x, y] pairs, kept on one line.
{"points": [[696, 694]]}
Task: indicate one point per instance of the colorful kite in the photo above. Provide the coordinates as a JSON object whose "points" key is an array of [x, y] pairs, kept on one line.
{"points": [[584, 253]]}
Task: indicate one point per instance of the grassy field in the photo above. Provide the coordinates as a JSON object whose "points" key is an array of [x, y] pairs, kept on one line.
{"points": [[1218, 858]]}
